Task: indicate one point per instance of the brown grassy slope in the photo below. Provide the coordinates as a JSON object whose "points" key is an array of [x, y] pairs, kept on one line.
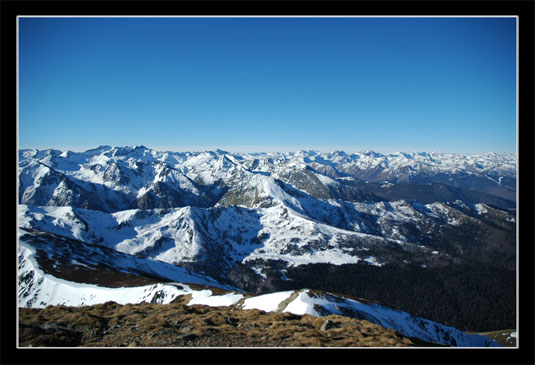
{"points": [[176, 324]]}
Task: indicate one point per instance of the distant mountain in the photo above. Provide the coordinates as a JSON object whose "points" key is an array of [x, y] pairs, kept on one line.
{"points": [[119, 178], [57, 270]]}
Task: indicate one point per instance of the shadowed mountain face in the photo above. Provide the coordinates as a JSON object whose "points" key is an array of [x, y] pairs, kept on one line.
{"points": [[264, 222]]}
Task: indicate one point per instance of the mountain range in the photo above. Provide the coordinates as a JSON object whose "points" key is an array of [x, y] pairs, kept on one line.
{"points": [[270, 222]]}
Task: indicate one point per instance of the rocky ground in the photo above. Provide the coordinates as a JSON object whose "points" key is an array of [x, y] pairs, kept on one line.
{"points": [[180, 325]]}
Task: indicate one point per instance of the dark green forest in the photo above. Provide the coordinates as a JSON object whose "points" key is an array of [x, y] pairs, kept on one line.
{"points": [[467, 297]]}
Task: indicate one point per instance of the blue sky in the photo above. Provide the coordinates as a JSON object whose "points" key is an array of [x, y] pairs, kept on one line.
{"points": [[269, 84]]}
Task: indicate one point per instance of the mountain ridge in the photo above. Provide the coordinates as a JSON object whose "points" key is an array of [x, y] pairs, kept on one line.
{"points": [[263, 222], [203, 167]]}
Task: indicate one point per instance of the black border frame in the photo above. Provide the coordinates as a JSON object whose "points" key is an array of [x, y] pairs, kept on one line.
{"points": [[524, 9]]}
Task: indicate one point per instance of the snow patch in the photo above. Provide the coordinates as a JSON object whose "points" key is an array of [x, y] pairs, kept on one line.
{"points": [[267, 302]]}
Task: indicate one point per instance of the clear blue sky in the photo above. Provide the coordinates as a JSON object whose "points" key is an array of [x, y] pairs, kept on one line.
{"points": [[265, 84]]}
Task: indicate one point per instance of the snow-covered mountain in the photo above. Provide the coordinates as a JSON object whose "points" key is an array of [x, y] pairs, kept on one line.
{"points": [[57, 270], [247, 219], [214, 240], [120, 178], [220, 208]]}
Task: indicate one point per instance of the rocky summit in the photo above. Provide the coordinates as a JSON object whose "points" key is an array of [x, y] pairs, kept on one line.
{"points": [[178, 325]]}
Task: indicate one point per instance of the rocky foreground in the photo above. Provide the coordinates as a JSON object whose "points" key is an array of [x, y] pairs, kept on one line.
{"points": [[180, 325]]}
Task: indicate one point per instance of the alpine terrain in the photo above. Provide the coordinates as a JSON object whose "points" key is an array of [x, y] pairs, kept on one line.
{"points": [[428, 239]]}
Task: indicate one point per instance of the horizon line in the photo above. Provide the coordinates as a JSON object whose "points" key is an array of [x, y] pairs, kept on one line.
{"points": [[261, 149]]}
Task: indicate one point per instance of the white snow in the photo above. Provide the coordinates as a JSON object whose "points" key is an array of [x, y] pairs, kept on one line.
{"points": [[304, 304], [325, 180], [481, 209], [266, 302], [205, 297], [372, 261]]}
